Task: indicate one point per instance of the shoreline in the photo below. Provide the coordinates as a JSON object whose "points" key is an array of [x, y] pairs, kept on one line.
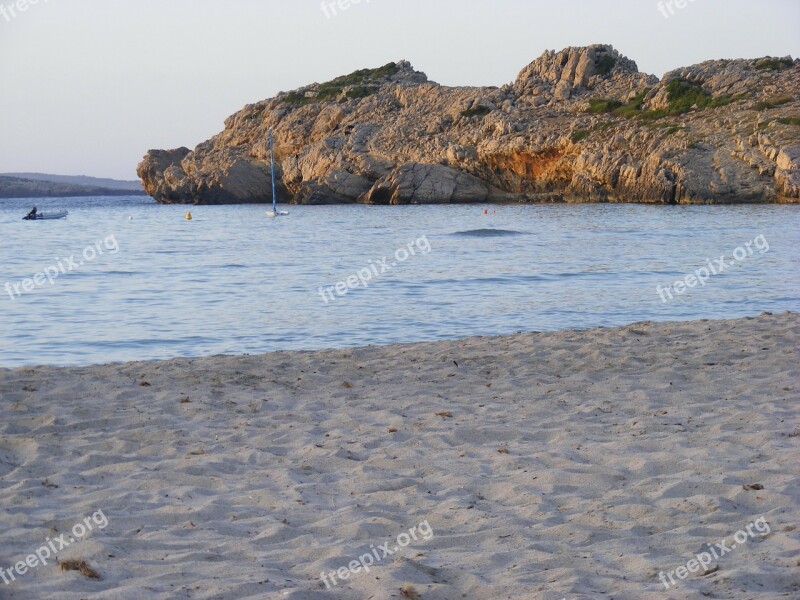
{"points": [[544, 466], [382, 346], [521, 201]]}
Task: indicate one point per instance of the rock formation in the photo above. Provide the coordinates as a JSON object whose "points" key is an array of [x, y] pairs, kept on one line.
{"points": [[580, 125]]}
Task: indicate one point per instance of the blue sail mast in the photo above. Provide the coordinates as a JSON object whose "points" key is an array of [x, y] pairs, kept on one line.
{"points": [[272, 168]]}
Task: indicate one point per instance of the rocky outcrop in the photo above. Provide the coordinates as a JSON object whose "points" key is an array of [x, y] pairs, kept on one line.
{"points": [[582, 124], [219, 176], [432, 184], [561, 75]]}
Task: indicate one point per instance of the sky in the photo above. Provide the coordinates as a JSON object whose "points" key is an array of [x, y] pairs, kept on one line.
{"points": [[88, 86]]}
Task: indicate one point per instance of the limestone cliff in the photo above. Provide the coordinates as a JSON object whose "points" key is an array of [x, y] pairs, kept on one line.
{"points": [[582, 125]]}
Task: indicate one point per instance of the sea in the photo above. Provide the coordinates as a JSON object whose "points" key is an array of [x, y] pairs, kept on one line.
{"points": [[125, 278]]}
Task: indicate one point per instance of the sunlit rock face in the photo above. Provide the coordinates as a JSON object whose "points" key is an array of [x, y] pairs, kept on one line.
{"points": [[579, 125]]}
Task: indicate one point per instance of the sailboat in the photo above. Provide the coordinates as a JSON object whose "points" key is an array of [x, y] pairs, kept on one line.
{"points": [[274, 212]]}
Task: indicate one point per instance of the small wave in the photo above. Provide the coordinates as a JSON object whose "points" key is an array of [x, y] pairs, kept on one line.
{"points": [[488, 233]]}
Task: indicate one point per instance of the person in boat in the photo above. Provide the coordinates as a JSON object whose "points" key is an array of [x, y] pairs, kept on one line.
{"points": [[32, 214]]}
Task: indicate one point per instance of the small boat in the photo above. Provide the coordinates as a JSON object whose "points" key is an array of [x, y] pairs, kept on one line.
{"points": [[48, 216], [274, 212]]}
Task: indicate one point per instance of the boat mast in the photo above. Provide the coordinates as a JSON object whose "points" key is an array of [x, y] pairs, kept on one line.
{"points": [[272, 168]]}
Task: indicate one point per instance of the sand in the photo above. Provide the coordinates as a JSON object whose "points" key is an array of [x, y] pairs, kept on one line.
{"points": [[577, 464]]}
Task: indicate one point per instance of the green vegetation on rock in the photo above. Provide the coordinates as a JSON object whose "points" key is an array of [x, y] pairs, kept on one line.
{"points": [[630, 110], [634, 107], [257, 114], [297, 98], [603, 126], [606, 64], [682, 95], [358, 80], [599, 106], [774, 64], [361, 91], [476, 111], [578, 135], [773, 102], [365, 75], [790, 121]]}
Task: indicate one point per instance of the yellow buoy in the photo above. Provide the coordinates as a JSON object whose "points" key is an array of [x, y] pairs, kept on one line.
{"points": [[188, 216]]}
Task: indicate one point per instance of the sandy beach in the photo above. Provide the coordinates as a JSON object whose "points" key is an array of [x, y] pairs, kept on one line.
{"points": [[578, 464]]}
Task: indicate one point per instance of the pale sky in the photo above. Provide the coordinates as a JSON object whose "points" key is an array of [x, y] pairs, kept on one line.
{"points": [[88, 86]]}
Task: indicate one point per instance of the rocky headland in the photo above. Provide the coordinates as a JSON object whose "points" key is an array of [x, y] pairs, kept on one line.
{"points": [[579, 125]]}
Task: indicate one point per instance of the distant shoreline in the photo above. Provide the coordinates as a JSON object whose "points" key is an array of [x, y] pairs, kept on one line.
{"points": [[109, 193], [522, 200], [37, 185]]}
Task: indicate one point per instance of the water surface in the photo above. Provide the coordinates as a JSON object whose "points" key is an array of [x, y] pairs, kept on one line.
{"points": [[233, 281]]}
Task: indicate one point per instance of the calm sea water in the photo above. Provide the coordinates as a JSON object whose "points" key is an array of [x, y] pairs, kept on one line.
{"points": [[232, 281]]}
